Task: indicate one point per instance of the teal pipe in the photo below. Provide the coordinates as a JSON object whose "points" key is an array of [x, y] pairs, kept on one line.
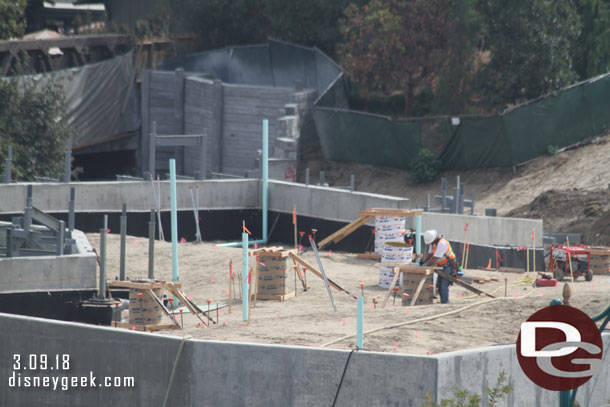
{"points": [[265, 190], [360, 324], [174, 218], [244, 277]]}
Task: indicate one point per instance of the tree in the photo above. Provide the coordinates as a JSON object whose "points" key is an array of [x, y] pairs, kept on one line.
{"points": [[529, 44], [312, 22], [32, 120], [219, 23], [454, 90], [12, 18], [592, 51], [395, 45]]}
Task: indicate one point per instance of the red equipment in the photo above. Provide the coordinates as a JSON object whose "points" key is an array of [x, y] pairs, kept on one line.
{"points": [[580, 257]]}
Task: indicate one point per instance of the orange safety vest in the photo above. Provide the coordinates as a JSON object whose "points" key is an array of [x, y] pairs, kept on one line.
{"points": [[447, 256]]}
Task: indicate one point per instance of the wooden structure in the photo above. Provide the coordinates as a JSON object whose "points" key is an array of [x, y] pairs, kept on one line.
{"points": [[272, 271], [365, 216], [414, 283], [150, 290]]}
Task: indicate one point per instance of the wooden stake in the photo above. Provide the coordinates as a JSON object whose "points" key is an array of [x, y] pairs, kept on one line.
{"points": [[230, 281], [464, 248], [256, 290], [527, 258], [250, 295], [467, 252]]}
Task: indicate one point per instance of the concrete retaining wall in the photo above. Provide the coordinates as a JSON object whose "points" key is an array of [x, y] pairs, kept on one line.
{"points": [[319, 202], [25, 274], [241, 374]]}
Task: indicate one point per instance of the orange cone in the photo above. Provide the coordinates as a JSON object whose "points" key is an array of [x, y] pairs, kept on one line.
{"points": [[489, 265]]}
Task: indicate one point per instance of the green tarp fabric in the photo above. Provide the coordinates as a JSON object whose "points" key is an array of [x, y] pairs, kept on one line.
{"points": [[360, 138], [101, 100]]}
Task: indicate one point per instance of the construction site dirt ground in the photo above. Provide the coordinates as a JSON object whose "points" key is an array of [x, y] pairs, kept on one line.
{"points": [[309, 319]]}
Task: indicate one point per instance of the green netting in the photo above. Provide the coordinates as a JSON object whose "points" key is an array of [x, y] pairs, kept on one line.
{"points": [[356, 137], [477, 143]]}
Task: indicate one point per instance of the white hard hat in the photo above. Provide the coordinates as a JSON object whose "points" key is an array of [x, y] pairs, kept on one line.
{"points": [[429, 236]]}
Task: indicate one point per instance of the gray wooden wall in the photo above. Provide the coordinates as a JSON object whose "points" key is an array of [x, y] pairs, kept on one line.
{"points": [[230, 115]]}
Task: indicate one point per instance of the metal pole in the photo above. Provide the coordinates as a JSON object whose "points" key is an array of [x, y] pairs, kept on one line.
{"points": [[68, 163], [472, 207], [102, 286], [352, 183], [174, 218], [454, 203], [7, 166], [27, 218], [9, 242], [315, 252], [461, 200], [60, 238], [307, 176], [151, 245], [444, 194], [360, 323], [244, 276], [203, 157], [427, 207], [123, 242], [71, 210], [321, 178], [265, 176], [417, 234]]}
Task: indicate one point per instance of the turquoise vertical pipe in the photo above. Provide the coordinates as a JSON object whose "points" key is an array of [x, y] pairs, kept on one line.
{"points": [[264, 189], [265, 175], [174, 209], [418, 234], [244, 277], [360, 323]]}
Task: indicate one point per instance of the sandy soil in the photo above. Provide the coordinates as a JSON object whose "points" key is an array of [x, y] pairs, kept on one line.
{"points": [[309, 319]]}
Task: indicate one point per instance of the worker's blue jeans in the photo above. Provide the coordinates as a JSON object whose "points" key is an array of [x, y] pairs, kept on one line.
{"points": [[443, 285]]}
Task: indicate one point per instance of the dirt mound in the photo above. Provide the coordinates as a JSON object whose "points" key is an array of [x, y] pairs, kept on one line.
{"points": [[572, 211]]}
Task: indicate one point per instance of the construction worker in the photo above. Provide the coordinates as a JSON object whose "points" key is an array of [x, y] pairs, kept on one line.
{"points": [[441, 255]]}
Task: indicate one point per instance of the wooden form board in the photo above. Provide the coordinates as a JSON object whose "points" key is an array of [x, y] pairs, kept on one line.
{"points": [[274, 251], [344, 231], [389, 212], [143, 286], [149, 328], [317, 273]]}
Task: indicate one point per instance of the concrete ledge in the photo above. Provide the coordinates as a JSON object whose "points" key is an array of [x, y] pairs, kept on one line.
{"points": [[25, 274], [228, 374]]}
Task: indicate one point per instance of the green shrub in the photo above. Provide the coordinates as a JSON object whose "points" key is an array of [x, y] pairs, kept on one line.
{"points": [[552, 149], [463, 398], [425, 166]]}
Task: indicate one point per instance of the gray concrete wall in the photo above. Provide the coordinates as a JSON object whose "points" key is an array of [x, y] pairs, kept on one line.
{"points": [[229, 374], [319, 202], [26, 274], [484, 230]]}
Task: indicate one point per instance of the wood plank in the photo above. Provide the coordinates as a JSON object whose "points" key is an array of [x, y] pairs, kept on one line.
{"points": [[317, 273], [277, 297], [406, 268], [389, 212], [420, 286], [158, 301], [392, 286], [141, 286], [463, 284], [149, 328], [343, 232], [187, 303], [369, 255]]}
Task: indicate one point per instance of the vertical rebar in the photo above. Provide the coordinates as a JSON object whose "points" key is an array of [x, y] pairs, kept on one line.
{"points": [[9, 242], [151, 245], [444, 194], [307, 176], [7, 165], [71, 211], [102, 286], [123, 242], [60, 238], [68, 163], [27, 219]]}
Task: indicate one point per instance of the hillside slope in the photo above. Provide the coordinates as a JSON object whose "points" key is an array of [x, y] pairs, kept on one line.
{"points": [[569, 191]]}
